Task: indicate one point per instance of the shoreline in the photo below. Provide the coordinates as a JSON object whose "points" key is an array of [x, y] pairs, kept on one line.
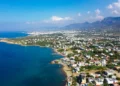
{"points": [[65, 68], [8, 42]]}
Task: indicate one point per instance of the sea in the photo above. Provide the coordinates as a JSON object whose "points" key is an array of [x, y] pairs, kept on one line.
{"points": [[28, 65]]}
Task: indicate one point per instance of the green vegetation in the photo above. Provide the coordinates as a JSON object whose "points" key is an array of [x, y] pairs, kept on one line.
{"points": [[90, 84], [119, 83], [93, 67], [77, 59], [105, 83], [44, 43], [69, 55], [110, 65], [118, 78], [60, 50], [74, 81]]}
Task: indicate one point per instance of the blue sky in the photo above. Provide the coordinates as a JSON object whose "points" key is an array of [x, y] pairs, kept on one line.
{"points": [[28, 14]]}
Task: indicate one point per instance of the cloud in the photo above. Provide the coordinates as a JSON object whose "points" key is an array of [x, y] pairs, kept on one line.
{"points": [[79, 14], [110, 6], [117, 4], [98, 15], [97, 11], [114, 7], [56, 18], [88, 12], [52, 21], [115, 12], [32, 22], [68, 18], [28, 22]]}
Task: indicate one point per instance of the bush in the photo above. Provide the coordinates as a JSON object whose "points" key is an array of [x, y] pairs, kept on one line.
{"points": [[90, 84], [110, 66], [74, 81], [60, 50], [118, 78]]}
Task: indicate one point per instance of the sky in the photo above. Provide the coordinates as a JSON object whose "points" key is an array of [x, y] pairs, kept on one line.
{"points": [[39, 14]]}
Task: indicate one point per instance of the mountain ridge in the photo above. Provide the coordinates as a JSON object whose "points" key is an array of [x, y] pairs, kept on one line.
{"points": [[106, 23]]}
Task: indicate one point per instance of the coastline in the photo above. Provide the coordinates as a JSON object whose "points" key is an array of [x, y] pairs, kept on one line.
{"points": [[65, 68]]}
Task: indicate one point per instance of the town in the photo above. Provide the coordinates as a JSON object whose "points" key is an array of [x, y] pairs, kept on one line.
{"points": [[91, 58]]}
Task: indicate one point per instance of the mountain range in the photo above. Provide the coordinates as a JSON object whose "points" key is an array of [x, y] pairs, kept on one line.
{"points": [[109, 23]]}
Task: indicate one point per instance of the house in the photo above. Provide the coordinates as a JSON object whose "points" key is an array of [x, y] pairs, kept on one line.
{"points": [[91, 79], [111, 54], [77, 69], [78, 51], [96, 55], [81, 79], [111, 81], [72, 61], [108, 72], [72, 58], [64, 60], [117, 68], [74, 65], [99, 81], [114, 63], [86, 64], [81, 64], [87, 56], [103, 62], [95, 75], [97, 62]]}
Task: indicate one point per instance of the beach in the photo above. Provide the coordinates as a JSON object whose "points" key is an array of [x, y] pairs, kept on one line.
{"points": [[7, 41], [67, 70]]}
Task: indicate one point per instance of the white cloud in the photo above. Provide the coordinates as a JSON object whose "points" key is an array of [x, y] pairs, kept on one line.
{"points": [[45, 21], [28, 22], [110, 6], [114, 7], [79, 14], [88, 12], [115, 12], [67, 18], [99, 17], [53, 20], [56, 18], [117, 4], [97, 11]]}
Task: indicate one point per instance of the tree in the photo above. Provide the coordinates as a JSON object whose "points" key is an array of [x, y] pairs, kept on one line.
{"points": [[102, 69], [105, 83], [76, 59], [90, 84], [60, 50]]}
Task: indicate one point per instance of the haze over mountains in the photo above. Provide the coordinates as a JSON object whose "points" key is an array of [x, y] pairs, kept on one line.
{"points": [[110, 23]]}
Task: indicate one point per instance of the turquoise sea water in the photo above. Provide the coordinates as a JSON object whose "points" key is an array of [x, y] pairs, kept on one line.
{"points": [[29, 66]]}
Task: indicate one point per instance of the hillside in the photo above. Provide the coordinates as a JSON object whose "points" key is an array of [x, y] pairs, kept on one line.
{"points": [[109, 23]]}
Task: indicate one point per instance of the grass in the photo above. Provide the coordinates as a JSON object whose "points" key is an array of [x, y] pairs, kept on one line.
{"points": [[93, 67]]}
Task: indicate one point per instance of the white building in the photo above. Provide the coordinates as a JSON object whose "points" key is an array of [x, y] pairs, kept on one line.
{"points": [[103, 62]]}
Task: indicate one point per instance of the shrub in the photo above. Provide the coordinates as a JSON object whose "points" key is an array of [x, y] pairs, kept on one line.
{"points": [[118, 78]]}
